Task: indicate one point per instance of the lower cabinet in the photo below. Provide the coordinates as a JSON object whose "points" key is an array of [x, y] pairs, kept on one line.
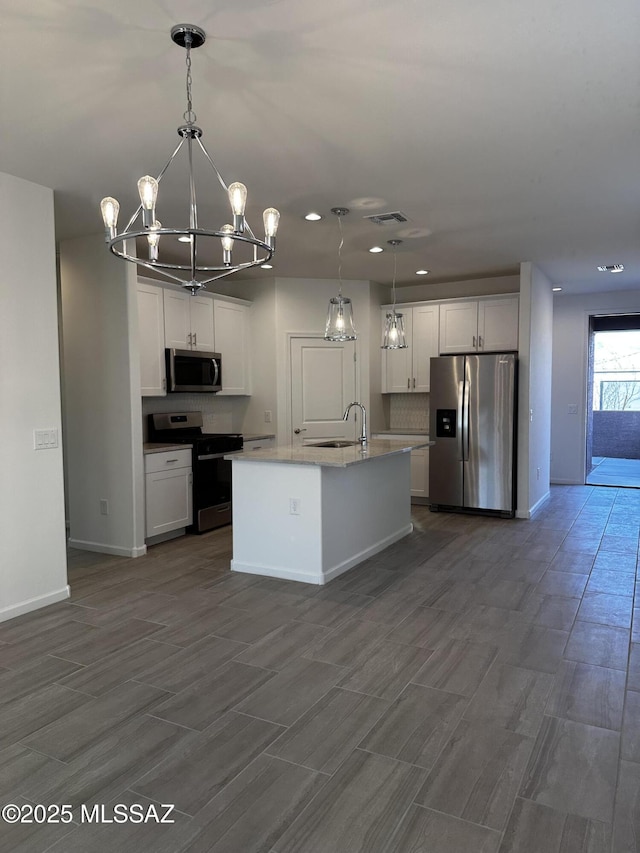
{"points": [[168, 491], [419, 469]]}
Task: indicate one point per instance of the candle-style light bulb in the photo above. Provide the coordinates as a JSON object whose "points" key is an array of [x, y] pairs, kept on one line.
{"points": [[148, 190], [270, 217], [153, 239], [227, 244], [238, 199], [110, 209]]}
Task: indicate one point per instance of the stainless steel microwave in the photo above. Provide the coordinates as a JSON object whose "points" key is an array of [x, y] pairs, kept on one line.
{"points": [[190, 370]]}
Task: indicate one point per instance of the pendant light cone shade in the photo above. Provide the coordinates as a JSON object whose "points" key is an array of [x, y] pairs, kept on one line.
{"points": [[340, 326], [340, 320], [394, 336]]}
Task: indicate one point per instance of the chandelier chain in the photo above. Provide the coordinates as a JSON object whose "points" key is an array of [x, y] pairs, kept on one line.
{"points": [[189, 115]]}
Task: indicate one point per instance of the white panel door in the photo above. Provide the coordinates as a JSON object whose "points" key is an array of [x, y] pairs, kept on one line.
{"points": [[323, 382]]}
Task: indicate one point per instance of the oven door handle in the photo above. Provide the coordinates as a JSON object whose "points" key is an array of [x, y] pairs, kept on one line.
{"points": [[212, 456], [216, 371]]}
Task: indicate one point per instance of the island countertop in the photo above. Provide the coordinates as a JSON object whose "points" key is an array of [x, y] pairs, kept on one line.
{"points": [[333, 457]]}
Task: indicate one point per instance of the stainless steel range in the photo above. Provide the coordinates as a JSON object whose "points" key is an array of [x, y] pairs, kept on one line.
{"points": [[211, 472]]}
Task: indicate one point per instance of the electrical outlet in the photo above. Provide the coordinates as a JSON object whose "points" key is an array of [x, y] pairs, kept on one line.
{"points": [[294, 506], [104, 506], [267, 417]]}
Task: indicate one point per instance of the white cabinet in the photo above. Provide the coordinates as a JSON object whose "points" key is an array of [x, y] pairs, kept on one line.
{"points": [[188, 321], [168, 491], [153, 382], [419, 467], [408, 370], [231, 325], [479, 325]]}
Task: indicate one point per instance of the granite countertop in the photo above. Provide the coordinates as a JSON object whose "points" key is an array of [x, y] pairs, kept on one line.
{"points": [[158, 447], [424, 432], [333, 457], [257, 436]]}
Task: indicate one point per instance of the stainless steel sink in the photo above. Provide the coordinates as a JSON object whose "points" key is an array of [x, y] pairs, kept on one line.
{"points": [[335, 443]]}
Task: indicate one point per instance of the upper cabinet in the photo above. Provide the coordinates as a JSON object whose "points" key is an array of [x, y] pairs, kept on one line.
{"points": [[231, 322], [174, 319], [153, 382], [479, 325], [407, 370], [188, 321]]}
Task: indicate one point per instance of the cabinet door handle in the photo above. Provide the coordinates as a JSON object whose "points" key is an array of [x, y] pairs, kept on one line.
{"points": [[480, 344], [170, 461], [189, 336], [408, 384], [414, 384], [474, 341], [195, 339]]}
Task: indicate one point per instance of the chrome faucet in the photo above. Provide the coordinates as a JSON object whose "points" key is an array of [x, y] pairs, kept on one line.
{"points": [[363, 431]]}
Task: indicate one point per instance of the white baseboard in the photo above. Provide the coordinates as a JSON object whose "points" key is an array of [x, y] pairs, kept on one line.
{"points": [[100, 548], [34, 604], [323, 577], [555, 482], [528, 513]]}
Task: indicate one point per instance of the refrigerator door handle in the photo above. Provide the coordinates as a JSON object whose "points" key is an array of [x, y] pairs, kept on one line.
{"points": [[465, 423], [460, 419]]}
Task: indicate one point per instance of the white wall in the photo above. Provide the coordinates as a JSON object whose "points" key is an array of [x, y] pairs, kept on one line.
{"points": [[32, 545], [103, 414], [534, 398], [570, 370], [453, 289]]}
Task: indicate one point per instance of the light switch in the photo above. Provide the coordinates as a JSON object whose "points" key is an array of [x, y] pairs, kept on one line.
{"points": [[45, 439]]}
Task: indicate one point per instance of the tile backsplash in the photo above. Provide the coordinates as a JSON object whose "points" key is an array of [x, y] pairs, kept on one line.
{"points": [[219, 414], [409, 411]]}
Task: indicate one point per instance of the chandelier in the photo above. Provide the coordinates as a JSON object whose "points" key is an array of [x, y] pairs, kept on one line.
{"points": [[181, 263], [339, 326], [393, 336]]}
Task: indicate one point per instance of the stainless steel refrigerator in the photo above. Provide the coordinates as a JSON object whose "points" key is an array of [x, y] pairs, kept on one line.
{"points": [[473, 423]]}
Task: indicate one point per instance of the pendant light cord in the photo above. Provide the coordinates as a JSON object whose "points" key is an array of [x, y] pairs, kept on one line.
{"points": [[340, 257]]}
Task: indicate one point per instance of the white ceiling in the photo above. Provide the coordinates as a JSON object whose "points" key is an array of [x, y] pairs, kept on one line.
{"points": [[505, 130]]}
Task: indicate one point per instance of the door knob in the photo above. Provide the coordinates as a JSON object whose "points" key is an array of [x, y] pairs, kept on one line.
{"points": [[298, 430]]}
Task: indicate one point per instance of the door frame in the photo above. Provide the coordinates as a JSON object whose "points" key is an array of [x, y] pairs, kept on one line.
{"points": [[289, 337]]}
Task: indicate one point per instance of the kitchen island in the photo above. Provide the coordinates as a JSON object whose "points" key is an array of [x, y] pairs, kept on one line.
{"points": [[311, 513]]}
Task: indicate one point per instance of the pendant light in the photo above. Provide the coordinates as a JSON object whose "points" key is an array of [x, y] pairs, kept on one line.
{"points": [[394, 335], [185, 266], [340, 314]]}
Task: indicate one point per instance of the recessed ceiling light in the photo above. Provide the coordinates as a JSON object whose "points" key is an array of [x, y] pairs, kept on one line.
{"points": [[422, 272], [375, 249], [266, 266], [556, 289], [312, 217], [184, 239], [611, 268]]}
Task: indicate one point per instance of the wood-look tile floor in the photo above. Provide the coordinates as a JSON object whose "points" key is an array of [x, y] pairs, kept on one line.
{"points": [[473, 689]]}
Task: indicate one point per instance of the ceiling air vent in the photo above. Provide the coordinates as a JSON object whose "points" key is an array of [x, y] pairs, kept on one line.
{"points": [[386, 218]]}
